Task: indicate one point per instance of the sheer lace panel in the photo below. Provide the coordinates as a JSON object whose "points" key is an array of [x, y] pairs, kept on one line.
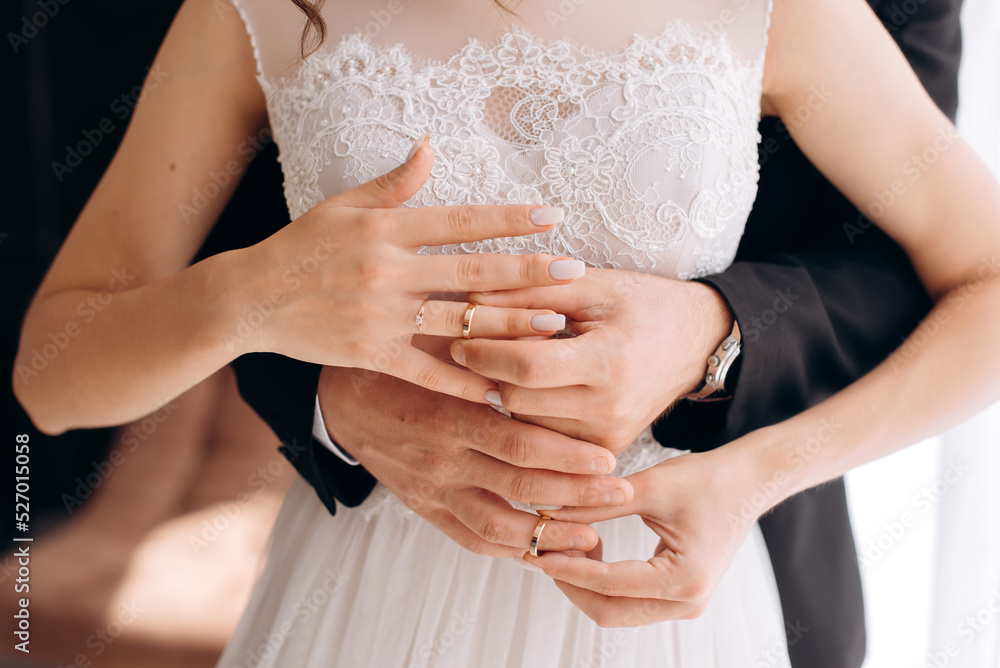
{"points": [[650, 147]]}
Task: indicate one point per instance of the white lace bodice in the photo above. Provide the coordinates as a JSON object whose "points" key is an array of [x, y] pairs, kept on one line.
{"points": [[648, 142], [650, 147]]}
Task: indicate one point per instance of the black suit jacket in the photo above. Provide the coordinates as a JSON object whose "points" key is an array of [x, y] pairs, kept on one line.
{"points": [[844, 302]]}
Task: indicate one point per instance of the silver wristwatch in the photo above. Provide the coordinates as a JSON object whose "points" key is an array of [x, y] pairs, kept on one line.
{"points": [[714, 388]]}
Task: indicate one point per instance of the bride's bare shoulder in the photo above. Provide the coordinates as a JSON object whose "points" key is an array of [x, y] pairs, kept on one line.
{"points": [[809, 37]]}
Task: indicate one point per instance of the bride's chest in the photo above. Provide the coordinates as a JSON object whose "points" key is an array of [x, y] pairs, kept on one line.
{"points": [[652, 151]]}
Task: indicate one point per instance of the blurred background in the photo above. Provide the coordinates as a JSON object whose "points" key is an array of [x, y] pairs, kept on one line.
{"points": [[148, 537]]}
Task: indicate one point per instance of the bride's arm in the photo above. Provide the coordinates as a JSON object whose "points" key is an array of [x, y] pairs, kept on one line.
{"points": [[121, 324], [118, 302], [858, 112]]}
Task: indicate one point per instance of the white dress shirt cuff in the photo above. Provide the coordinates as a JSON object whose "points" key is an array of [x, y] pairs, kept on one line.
{"points": [[323, 436]]}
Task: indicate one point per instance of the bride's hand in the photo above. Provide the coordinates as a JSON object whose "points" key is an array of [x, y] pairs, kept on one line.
{"points": [[698, 505], [642, 343], [342, 284]]}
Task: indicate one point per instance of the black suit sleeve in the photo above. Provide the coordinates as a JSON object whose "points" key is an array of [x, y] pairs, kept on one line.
{"points": [[283, 392]]}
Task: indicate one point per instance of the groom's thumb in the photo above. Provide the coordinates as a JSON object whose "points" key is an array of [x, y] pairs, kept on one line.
{"points": [[395, 187]]}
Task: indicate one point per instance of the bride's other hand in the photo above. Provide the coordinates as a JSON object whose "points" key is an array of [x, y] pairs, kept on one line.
{"points": [[349, 282], [137, 324], [454, 462], [697, 504], [642, 343]]}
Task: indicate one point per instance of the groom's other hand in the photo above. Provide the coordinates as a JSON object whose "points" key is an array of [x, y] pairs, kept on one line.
{"points": [[642, 343], [455, 462]]}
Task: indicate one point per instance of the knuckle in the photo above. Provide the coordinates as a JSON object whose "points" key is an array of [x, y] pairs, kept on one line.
{"points": [[460, 221], [493, 529], [453, 319], [610, 588], [373, 272], [429, 376], [516, 321], [593, 491], [470, 270], [418, 500], [518, 447], [515, 219], [522, 487], [374, 222], [436, 465], [385, 183], [533, 268]]}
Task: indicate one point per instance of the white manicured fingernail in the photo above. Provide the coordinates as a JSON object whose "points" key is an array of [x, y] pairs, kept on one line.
{"points": [[416, 148], [565, 270], [493, 397], [542, 506], [458, 352], [548, 322], [526, 566], [547, 215]]}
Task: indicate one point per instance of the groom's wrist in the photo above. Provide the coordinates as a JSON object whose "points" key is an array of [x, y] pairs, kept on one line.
{"points": [[713, 324]]}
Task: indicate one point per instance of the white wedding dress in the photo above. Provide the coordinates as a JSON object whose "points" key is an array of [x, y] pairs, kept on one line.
{"points": [[640, 119]]}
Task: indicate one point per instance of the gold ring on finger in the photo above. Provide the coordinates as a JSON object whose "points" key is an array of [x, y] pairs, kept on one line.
{"points": [[470, 310], [537, 534], [419, 319]]}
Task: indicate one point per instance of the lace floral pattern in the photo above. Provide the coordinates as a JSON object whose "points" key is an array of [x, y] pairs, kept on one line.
{"points": [[652, 150]]}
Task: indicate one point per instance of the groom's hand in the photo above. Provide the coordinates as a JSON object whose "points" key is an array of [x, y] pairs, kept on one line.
{"points": [[643, 342], [454, 462], [701, 506]]}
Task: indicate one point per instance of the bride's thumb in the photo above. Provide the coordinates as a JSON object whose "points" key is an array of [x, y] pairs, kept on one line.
{"points": [[395, 187]]}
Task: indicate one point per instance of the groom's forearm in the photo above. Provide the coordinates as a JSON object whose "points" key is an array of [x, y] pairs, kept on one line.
{"points": [[812, 323]]}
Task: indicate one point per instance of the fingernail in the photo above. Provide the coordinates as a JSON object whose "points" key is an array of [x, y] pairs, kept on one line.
{"points": [[458, 354], [548, 322], [493, 397], [565, 270], [416, 148], [526, 566], [577, 543], [547, 215], [615, 497], [600, 465], [542, 506]]}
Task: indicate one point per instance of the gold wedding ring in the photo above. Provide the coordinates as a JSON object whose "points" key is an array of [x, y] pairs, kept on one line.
{"points": [[470, 310], [533, 547], [419, 319]]}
